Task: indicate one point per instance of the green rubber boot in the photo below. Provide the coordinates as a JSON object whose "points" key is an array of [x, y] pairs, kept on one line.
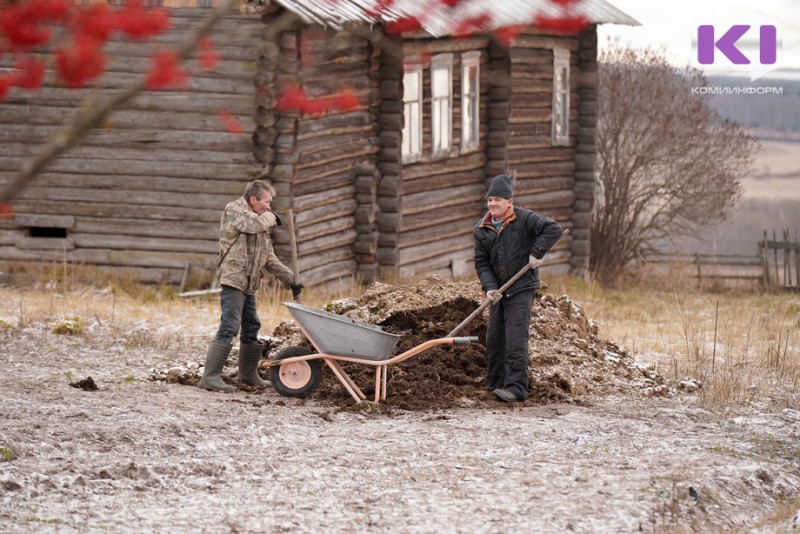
{"points": [[215, 361], [249, 359]]}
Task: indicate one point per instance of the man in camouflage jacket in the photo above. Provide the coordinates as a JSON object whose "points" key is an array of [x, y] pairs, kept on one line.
{"points": [[245, 251]]}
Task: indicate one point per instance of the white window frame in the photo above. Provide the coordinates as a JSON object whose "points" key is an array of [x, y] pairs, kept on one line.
{"points": [[441, 104], [411, 146], [470, 100], [560, 125]]}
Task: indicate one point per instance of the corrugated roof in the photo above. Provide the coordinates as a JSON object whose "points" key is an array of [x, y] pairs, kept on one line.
{"points": [[439, 20]]}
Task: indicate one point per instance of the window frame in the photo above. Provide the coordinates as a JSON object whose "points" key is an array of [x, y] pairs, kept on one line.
{"points": [[412, 109], [470, 129], [441, 106], [559, 130]]}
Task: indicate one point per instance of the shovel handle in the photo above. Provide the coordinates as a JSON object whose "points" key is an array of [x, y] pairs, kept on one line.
{"points": [[502, 289], [293, 244]]}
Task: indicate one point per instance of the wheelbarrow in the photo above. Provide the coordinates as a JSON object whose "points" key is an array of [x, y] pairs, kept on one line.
{"points": [[297, 371]]}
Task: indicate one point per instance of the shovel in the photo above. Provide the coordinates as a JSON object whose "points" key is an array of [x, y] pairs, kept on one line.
{"points": [[502, 289], [293, 244]]}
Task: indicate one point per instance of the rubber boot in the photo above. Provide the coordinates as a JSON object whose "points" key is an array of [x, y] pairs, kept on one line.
{"points": [[215, 361], [249, 359]]}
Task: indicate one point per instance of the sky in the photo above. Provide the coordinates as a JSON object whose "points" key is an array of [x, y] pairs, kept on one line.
{"points": [[673, 25]]}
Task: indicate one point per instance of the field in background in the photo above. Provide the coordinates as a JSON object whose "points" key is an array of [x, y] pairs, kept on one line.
{"points": [[771, 201]]}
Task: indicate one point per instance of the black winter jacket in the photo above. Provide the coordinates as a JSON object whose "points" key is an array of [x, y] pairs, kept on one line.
{"points": [[498, 257]]}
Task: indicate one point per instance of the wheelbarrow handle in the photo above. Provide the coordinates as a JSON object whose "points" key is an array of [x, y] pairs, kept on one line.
{"points": [[502, 290], [465, 340]]}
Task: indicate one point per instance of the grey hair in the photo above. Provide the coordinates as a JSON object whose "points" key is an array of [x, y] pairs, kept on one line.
{"points": [[256, 188]]}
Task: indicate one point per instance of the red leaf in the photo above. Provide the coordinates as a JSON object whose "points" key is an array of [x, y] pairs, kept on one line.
{"points": [[140, 23], [30, 74], [230, 123], [96, 21], [80, 63], [568, 23], [6, 210], [408, 24], [6, 81], [208, 56], [506, 35], [166, 72], [475, 24]]}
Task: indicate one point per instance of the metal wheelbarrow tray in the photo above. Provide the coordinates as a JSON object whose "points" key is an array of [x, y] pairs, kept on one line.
{"points": [[296, 371]]}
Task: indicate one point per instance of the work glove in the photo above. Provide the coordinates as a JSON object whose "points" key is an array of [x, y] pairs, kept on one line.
{"points": [[296, 288], [494, 295], [534, 262]]}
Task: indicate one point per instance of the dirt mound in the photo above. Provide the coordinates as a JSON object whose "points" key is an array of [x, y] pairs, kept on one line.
{"points": [[568, 359]]}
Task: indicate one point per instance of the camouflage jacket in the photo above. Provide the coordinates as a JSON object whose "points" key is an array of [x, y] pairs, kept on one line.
{"points": [[245, 248]]}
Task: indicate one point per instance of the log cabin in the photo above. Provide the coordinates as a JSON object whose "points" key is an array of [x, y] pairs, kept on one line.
{"points": [[389, 188]]}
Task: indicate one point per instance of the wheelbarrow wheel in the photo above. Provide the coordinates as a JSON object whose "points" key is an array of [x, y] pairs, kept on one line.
{"points": [[296, 379]]}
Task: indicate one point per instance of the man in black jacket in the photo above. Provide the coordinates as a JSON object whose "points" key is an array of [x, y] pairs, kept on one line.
{"points": [[506, 239]]}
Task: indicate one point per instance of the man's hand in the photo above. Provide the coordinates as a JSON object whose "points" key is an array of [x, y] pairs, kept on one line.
{"points": [[296, 289], [534, 262], [494, 295]]}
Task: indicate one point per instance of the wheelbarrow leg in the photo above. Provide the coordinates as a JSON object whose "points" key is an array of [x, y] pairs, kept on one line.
{"points": [[378, 389], [384, 373], [346, 381]]}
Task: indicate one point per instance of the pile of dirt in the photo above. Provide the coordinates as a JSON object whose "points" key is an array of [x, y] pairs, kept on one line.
{"points": [[568, 359]]}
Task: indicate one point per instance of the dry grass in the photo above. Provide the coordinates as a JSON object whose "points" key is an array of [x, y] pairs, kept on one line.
{"points": [[741, 346]]}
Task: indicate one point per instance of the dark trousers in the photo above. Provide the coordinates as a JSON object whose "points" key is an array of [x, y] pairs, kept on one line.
{"points": [[238, 311], [507, 343]]}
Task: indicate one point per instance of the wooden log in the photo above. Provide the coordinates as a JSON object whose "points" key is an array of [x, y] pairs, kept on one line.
{"points": [[542, 185], [547, 200], [124, 211], [462, 243], [141, 198], [342, 208], [124, 242], [438, 46], [335, 181], [448, 166], [321, 256], [425, 201], [147, 228], [233, 171], [337, 272], [331, 196], [431, 233], [361, 147], [324, 228]]}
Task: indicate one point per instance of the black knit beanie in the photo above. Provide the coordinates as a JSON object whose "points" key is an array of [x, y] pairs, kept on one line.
{"points": [[501, 187]]}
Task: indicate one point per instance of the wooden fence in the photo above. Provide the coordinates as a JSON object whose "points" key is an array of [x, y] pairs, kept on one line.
{"points": [[775, 267], [780, 261]]}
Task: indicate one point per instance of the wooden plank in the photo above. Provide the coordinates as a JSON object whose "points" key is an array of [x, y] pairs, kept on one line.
{"points": [[141, 198], [125, 242], [231, 171], [331, 196], [320, 213], [122, 210], [187, 153], [426, 201], [44, 220], [429, 233], [203, 230]]}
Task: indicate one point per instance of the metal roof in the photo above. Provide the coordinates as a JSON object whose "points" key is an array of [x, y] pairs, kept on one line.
{"points": [[439, 20]]}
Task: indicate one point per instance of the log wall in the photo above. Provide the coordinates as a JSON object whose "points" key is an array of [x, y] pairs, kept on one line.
{"points": [[323, 164], [429, 207], [145, 190]]}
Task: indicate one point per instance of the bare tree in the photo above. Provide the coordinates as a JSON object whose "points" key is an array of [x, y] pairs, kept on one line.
{"points": [[669, 163]]}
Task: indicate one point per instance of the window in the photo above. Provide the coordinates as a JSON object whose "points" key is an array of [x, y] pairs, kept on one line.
{"points": [[560, 127], [412, 112], [470, 100], [441, 103]]}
